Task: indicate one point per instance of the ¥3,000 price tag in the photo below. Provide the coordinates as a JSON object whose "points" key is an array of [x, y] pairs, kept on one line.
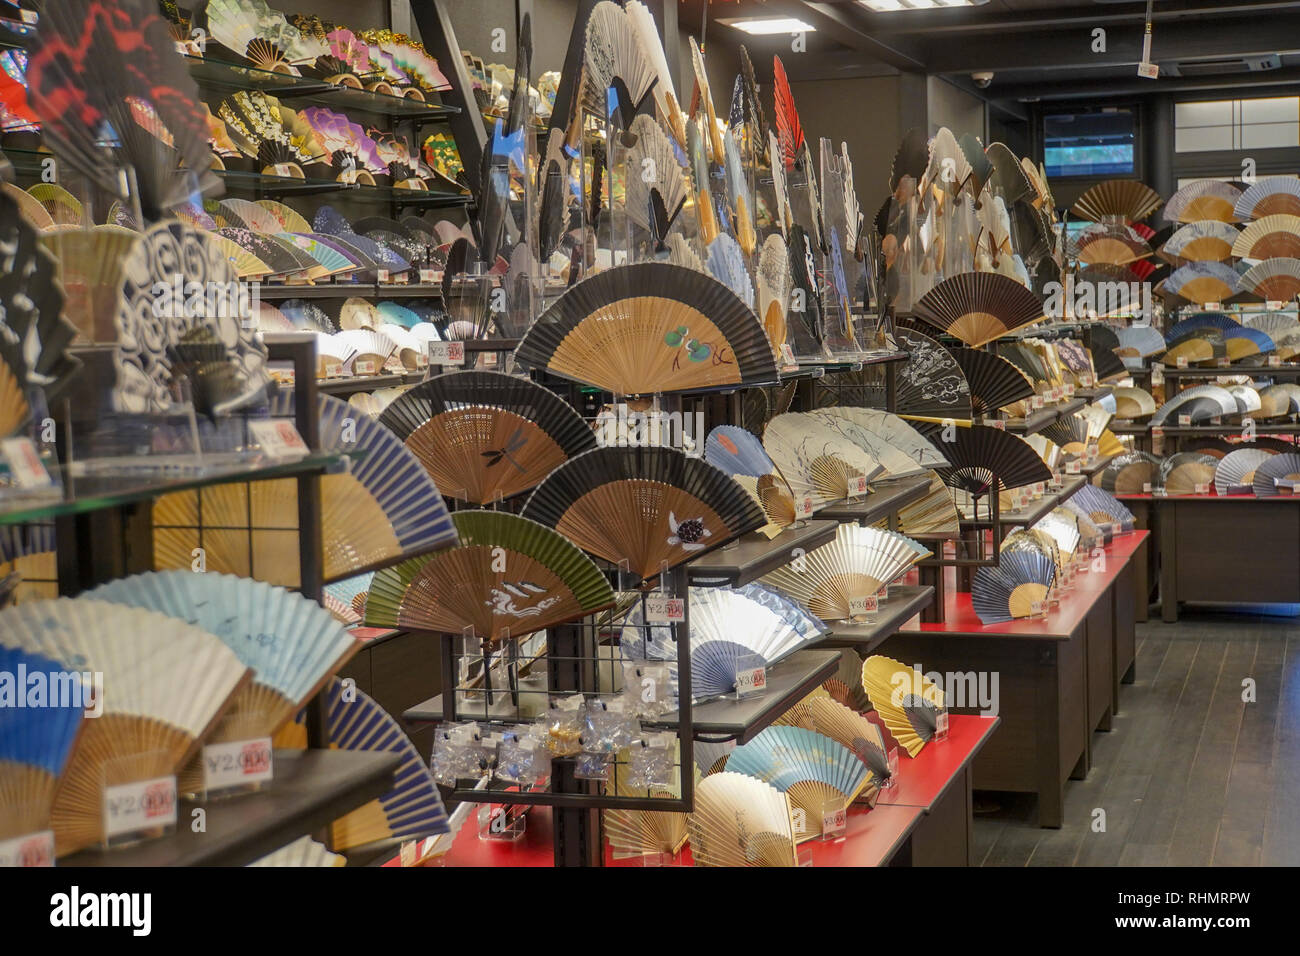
{"points": [[858, 606], [751, 680], [278, 438], [143, 805], [32, 849], [664, 609], [446, 353], [835, 821], [24, 464], [236, 763]]}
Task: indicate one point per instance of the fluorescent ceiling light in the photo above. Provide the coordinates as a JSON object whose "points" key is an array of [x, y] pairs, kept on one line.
{"points": [[888, 6], [768, 26]]}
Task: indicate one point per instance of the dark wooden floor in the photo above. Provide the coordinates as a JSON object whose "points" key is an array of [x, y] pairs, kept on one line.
{"points": [[1190, 775]]}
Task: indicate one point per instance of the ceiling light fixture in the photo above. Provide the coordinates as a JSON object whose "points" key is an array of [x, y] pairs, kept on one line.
{"points": [[889, 6], [768, 26]]}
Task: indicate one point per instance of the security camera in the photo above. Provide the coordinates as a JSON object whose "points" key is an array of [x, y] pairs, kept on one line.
{"points": [[982, 80]]}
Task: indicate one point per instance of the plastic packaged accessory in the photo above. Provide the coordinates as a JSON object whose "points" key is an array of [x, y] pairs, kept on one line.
{"points": [[608, 725], [651, 762], [647, 688], [460, 752], [593, 766], [564, 725], [522, 757]]}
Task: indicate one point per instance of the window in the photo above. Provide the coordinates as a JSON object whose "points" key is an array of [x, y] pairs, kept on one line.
{"points": [[1267, 123], [1096, 144]]}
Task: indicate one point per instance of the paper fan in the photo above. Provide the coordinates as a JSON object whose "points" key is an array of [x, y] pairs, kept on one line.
{"points": [[1129, 473], [1205, 320], [898, 433], [1133, 404], [857, 564], [822, 713], [32, 211], [28, 551], [1242, 343], [983, 459], [1108, 244], [1124, 198], [907, 701], [648, 328], [895, 462], [814, 459], [936, 513], [302, 852], [809, 767], [930, 385], [332, 262], [1274, 196], [910, 162], [1282, 467], [1199, 403], [1237, 468], [613, 58], [978, 307], [98, 70], [509, 577], [1272, 237], [485, 435], [1274, 279], [994, 382], [638, 833], [726, 262], [167, 684], [656, 183], [1203, 199], [739, 820], [1206, 241], [1183, 473], [1276, 401], [1062, 526], [737, 452], [738, 193], [63, 208], [413, 808], [788, 128], [1021, 580], [1272, 324], [292, 644], [1202, 282], [643, 506]]}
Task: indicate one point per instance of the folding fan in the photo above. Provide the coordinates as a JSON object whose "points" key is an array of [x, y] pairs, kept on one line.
{"points": [[822, 713], [1274, 196], [1242, 343], [97, 70], [1200, 403], [983, 459], [994, 382], [809, 767], [1284, 466], [1123, 198], [907, 701], [774, 284], [28, 550], [895, 431], [650, 327], [510, 576], [857, 564], [613, 58], [726, 263], [815, 459], [1108, 243], [485, 435], [1216, 321], [1203, 199], [1272, 237], [739, 820], [1273, 279], [1129, 473], [978, 307], [936, 513], [1098, 505], [636, 833], [1290, 391], [1208, 240], [62, 207], [383, 508], [843, 421], [1202, 282], [1237, 468], [413, 808], [930, 385], [1183, 473], [1133, 404], [1021, 580], [644, 506], [302, 852], [1275, 401], [166, 684], [656, 183], [737, 452], [1062, 525], [1273, 324]]}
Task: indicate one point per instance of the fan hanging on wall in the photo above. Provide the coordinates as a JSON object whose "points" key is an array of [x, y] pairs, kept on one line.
{"points": [[908, 702], [978, 307], [1202, 282], [1206, 241], [1273, 279], [1272, 237], [1125, 199], [1203, 199]]}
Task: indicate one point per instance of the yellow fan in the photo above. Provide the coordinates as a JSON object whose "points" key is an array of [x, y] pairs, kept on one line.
{"points": [[90, 270], [910, 705], [290, 219], [246, 264], [63, 207]]}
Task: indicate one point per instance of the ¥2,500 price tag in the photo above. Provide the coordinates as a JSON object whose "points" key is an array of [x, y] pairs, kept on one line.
{"points": [[236, 763], [278, 438], [143, 805], [803, 507], [32, 849], [446, 353], [664, 609], [858, 485]]}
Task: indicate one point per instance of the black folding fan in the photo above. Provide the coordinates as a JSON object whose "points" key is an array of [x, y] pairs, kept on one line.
{"points": [[994, 382], [931, 385], [985, 459]]}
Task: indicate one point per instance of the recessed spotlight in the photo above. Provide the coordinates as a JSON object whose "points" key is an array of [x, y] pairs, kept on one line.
{"points": [[769, 26]]}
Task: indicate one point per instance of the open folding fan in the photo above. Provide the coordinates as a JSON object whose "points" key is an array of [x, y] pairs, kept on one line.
{"points": [[484, 435], [650, 327], [384, 507], [1272, 237], [1202, 282], [302, 852], [1117, 198], [930, 384], [936, 513], [1185, 472], [1274, 196], [636, 833], [165, 683], [1062, 526], [1133, 404], [509, 577], [737, 452], [643, 506], [739, 820], [1273, 279], [1108, 244], [1129, 474], [978, 307], [1207, 240], [27, 550], [822, 713], [830, 580], [907, 702], [809, 767], [100, 72], [983, 459], [1020, 582], [657, 187], [994, 382], [1199, 403], [896, 462], [413, 808], [1203, 199], [815, 459], [1282, 467]]}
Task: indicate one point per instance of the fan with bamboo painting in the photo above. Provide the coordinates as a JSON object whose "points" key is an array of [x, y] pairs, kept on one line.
{"points": [[815, 459], [643, 507], [510, 576], [739, 820], [1126, 199], [843, 421], [978, 307], [484, 436], [910, 704]]}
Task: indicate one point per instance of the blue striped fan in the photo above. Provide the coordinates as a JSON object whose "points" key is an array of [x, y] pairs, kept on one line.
{"points": [[326, 255], [1010, 590], [291, 643], [810, 767], [413, 808], [1202, 320], [398, 314], [1099, 505], [737, 452], [727, 265]]}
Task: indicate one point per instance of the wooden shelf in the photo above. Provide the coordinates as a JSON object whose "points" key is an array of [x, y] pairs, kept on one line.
{"points": [[754, 556], [887, 498], [905, 602], [1043, 417]]}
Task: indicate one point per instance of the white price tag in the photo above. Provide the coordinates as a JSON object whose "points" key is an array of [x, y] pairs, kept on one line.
{"points": [[1184, 420], [941, 725], [1146, 487], [803, 507], [1038, 608], [1040, 488], [382, 275], [999, 424], [835, 821], [1088, 379], [363, 367], [883, 594], [446, 353], [283, 170], [1214, 307], [1274, 361], [664, 609], [278, 438], [860, 606], [333, 370], [1275, 305], [1069, 391], [24, 463], [1149, 71], [236, 763], [428, 276], [1182, 361], [1036, 402], [787, 354], [1093, 451], [751, 680], [1057, 393], [143, 805], [1073, 467], [858, 485], [32, 849], [1157, 374], [1202, 488]]}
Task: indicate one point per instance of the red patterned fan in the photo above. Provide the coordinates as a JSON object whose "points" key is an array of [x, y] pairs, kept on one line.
{"points": [[789, 131]]}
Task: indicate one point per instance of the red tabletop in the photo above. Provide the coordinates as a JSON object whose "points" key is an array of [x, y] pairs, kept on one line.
{"points": [[923, 779]]}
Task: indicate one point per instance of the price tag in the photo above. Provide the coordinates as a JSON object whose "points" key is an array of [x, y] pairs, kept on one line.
{"points": [[883, 594], [1274, 361], [363, 367], [143, 805], [803, 507], [1038, 608], [333, 370], [751, 680], [1036, 402], [787, 354], [1216, 420], [283, 170], [862, 606], [1223, 362], [1184, 420], [1057, 393], [1148, 71], [835, 820], [1146, 487], [25, 464], [1040, 488], [1182, 361], [858, 486], [1093, 451], [236, 763], [1088, 379], [1214, 307], [1275, 305], [1069, 391], [278, 438], [1202, 488], [428, 276], [1157, 374], [1073, 467], [32, 849], [446, 353], [941, 725], [664, 609], [999, 424], [382, 275]]}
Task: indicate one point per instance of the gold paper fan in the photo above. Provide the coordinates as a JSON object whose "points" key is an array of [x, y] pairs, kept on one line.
{"points": [[906, 700], [1124, 198]]}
